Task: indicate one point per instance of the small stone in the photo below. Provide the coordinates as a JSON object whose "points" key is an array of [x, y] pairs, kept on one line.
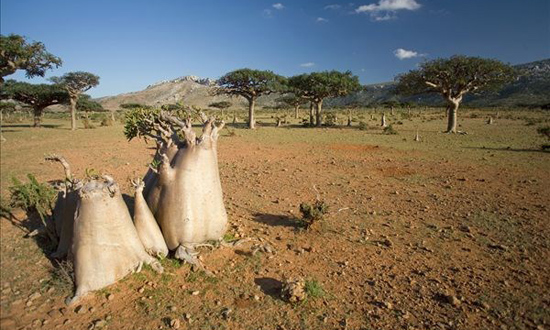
{"points": [[453, 300], [195, 293], [173, 308], [98, 324], [54, 313], [108, 318], [175, 324], [34, 296], [187, 316], [80, 309], [226, 312], [256, 297], [110, 296], [91, 309], [140, 290], [63, 310], [36, 323], [67, 321]]}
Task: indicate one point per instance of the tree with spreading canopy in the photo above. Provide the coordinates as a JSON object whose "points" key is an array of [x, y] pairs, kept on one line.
{"points": [[453, 78], [250, 84], [17, 54], [317, 86], [292, 100], [38, 96], [85, 103], [222, 105], [76, 83]]}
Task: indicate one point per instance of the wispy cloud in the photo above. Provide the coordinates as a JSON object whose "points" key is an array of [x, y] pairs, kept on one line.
{"points": [[321, 20], [278, 6], [333, 7], [404, 54], [307, 65], [386, 9]]}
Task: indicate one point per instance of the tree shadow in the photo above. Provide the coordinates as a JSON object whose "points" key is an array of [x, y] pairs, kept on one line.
{"points": [[30, 126], [129, 200], [277, 220], [510, 149], [270, 286]]}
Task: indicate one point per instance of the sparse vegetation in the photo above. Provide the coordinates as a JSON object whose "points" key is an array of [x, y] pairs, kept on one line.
{"points": [[313, 213]]}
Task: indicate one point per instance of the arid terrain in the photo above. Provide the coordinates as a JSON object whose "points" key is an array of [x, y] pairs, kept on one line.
{"points": [[451, 232]]}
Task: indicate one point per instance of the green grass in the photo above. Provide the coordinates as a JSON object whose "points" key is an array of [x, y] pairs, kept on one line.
{"points": [[314, 289]]}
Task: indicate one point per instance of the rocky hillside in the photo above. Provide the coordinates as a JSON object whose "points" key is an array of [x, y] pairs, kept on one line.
{"points": [[531, 88]]}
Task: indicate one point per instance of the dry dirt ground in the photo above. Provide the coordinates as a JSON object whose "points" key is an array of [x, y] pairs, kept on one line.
{"points": [[449, 233]]}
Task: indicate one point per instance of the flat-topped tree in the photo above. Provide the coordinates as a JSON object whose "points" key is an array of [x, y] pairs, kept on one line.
{"points": [[17, 54], [453, 78], [38, 96], [293, 101], [222, 105], [76, 83], [85, 103], [250, 84], [317, 86]]}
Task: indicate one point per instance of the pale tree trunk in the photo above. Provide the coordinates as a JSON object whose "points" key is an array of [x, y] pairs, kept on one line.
{"points": [[296, 111], [113, 116], [349, 118], [318, 112], [452, 110], [311, 113], [383, 121], [38, 117], [391, 110], [72, 101], [251, 121]]}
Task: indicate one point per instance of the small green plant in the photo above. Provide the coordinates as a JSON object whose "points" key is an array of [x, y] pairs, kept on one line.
{"points": [[314, 289], [363, 126], [35, 197], [389, 130], [312, 214]]}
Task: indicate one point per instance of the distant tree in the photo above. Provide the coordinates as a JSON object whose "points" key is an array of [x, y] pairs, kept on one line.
{"points": [[17, 54], [453, 78], [222, 105], [317, 86], [250, 84], [76, 83], [292, 101], [130, 106], [86, 104], [38, 96]]}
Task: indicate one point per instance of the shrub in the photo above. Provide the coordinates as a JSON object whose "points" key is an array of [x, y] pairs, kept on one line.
{"points": [[106, 121], [314, 289], [35, 197], [363, 126], [389, 130], [331, 120], [87, 124], [312, 214]]}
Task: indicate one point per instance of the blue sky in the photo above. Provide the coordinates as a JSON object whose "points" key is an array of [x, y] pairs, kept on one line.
{"points": [[131, 44]]}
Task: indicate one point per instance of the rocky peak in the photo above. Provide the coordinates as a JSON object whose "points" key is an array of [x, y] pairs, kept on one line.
{"points": [[191, 78]]}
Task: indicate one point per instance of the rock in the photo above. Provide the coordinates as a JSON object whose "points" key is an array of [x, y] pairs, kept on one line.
{"points": [[54, 313], [110, 296], [80, 309], [293, 290], [140, 290], [34, 296], [175, 324], [195, 293], [98, 324], [36, 323], [91, 309], [173, 308], [453, 300], [226, 313]]}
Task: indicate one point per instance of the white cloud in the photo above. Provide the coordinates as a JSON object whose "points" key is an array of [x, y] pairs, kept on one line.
{"points": [[278, 6], [333, 7], [404, 54], [385, 9], [321, 20], [307, 65]]}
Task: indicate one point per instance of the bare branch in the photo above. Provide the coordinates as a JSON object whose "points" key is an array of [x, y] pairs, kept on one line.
{"points": [[64, 163]]}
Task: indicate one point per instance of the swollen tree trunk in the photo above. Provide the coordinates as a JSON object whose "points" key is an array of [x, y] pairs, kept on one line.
{"points": [[251, 121], [452, 110], [383, 121], [72, 101], [318, 111], [296, 111], [349, 118], [106, 246], [146, 225], [188, 196], [38, 111]]}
